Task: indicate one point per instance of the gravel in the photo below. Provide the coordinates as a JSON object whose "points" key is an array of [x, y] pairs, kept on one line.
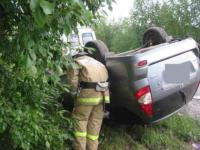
{"points": [[193, 108]]}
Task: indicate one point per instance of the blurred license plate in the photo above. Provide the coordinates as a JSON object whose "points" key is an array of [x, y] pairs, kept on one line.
{"points": [[177, 73]]}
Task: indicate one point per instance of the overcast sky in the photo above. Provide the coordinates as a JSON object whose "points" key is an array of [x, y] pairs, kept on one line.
{"points": [[121, 9]]}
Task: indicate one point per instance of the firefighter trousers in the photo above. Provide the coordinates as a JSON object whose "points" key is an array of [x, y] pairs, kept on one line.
{"points": [[88, 124]]}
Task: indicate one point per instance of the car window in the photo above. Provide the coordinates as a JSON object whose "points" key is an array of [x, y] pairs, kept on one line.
{"points": [[87, 37], [74, 40]]}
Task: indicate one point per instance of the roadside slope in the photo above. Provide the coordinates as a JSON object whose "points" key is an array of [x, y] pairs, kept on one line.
{"points": [[175, 133]]}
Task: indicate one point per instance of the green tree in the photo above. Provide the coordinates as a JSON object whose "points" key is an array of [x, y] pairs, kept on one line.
{"points": [[30, 65], [118, 36], [179, 18]]}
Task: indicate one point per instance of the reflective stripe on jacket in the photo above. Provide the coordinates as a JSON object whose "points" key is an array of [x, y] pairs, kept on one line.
{"points": [[93, 100]]}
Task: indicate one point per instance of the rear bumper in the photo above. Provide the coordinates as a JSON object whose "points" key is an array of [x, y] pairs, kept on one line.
{"points": [[166, 106], [155, 121], [162, 108]]}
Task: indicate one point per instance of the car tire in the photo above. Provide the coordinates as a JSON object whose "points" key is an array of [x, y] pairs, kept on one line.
{"points": [[155, 36], [100, 50]]}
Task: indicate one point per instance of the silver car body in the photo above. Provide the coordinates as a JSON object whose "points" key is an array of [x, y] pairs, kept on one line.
{"points": [[171, 70]]}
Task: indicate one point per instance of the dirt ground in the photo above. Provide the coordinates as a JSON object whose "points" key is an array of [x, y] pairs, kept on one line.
{"points": [[193, 108]]}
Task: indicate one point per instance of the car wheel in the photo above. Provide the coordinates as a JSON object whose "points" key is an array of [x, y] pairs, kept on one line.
{"points": [[100, 50], [155, 36]]}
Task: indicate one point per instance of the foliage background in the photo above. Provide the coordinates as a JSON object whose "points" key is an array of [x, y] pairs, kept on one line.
{"points": [[180, 18], [30, 64]]}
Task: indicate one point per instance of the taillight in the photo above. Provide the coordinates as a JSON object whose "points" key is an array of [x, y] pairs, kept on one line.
{"points": [[142, 63], [143, 96]]}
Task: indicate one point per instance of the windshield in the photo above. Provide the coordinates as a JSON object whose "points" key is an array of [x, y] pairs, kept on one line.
{"points": [[87, 37], [74, 40]]}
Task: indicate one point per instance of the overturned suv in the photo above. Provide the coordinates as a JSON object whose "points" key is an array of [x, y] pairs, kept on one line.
{"points": [[152, 82]]}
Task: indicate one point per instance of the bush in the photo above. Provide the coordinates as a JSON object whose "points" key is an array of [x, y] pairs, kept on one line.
{"points": [[30, 65]]}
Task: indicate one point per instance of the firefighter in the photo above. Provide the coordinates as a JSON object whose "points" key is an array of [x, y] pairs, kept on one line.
{"points": [[90, 82]]}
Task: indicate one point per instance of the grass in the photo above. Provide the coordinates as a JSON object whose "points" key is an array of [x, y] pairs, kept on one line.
{"points": [[174, 133]]}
